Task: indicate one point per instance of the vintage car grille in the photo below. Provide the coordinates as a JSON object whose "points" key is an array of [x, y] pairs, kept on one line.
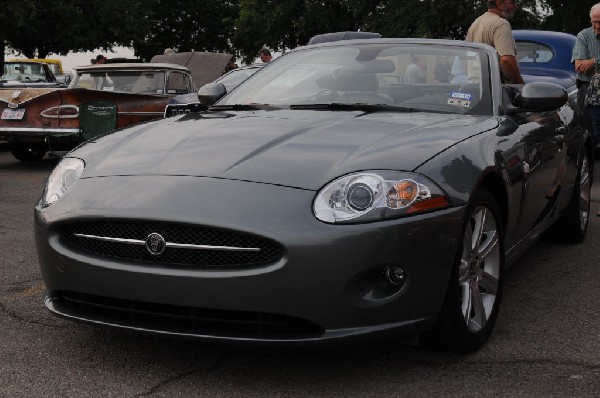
{"points": [[184, 320], [186, 245]]}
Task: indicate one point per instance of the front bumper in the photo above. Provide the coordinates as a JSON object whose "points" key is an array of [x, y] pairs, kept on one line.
{"points": [[327, 285]]}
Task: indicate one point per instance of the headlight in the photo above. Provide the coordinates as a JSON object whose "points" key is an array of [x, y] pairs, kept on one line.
{"points": [[63, 176], [370, 196]]}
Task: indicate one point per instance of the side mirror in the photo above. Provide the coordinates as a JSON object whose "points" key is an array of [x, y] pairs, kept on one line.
{"points": [[538, 96], [211, 93], [68, 79]]}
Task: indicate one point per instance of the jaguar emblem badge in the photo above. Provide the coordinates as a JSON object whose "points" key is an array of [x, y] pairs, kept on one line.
{"points": [[155, 244]]}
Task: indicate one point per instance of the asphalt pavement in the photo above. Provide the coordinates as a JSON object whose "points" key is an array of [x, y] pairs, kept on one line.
{"points": [[546, 342]]}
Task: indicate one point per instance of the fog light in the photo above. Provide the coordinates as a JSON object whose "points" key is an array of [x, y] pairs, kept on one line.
{"points": [[395, 275]]}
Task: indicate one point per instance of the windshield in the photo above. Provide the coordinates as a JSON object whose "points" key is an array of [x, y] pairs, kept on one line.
{"points": [[54, 68], [442, 78], [146, 82], [26, 72]]}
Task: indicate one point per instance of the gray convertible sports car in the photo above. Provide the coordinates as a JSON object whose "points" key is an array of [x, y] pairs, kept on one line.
{"points": [[324, 199]]}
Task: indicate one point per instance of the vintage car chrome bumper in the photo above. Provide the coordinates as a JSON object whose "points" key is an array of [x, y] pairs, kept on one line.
{"points": [[22, 132]]}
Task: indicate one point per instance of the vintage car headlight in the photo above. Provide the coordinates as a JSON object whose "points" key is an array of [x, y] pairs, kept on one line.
{"points": [[369, 196], [63, 176]]}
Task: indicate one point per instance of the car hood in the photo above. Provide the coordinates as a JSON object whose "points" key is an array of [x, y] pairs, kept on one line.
{"points": [[564, 78], [302, 149]]}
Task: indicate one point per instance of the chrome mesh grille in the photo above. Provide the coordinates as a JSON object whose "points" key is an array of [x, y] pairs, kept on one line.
{"points": [[269, 252]]}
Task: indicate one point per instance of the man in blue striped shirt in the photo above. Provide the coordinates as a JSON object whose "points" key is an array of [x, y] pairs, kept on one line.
{"points": [[585, 53]]}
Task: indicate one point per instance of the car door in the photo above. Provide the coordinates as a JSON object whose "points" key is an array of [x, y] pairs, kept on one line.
{"points": [[544, 166]]}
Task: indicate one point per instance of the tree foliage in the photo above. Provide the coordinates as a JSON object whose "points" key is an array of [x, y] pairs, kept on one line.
{"points": [[38, 28], [242, 27], [288, 23], [186, 25], [568, 16], [285, 24]]}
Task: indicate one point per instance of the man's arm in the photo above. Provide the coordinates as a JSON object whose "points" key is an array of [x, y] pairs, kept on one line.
{"points": [[581, 57], [510, 68], [585, 66]]}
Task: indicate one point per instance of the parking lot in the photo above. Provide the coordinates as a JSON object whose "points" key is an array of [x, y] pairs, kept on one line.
{"points": [[546, 341]]}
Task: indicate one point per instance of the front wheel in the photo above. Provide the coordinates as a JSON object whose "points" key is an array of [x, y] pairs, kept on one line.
{"points": [[473, 297]]}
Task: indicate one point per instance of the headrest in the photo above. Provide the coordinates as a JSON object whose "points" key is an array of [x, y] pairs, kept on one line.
{"points": [[376, 66], [350, 80]]}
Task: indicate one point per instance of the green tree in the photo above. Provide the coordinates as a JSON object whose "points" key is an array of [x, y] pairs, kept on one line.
{"points": [[186, 25], [285, 24], [440, 18], [6, 26], [242, 27], [288, 23], [567, 16], [430, 18], [37, 28]]}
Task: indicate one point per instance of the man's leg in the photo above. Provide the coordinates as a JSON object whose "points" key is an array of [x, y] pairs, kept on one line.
{"points": [[594, 112]]}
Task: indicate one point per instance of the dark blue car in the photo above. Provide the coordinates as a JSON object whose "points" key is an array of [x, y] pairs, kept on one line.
{"points": [[546, 56]]}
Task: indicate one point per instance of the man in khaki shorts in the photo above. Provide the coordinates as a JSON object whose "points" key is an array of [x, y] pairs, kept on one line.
{"points": [[494, 29]]}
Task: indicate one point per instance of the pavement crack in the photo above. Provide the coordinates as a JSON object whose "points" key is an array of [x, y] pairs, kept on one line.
{"points": [[589, 366], [180, 376], [537, 361], [21, 319]]}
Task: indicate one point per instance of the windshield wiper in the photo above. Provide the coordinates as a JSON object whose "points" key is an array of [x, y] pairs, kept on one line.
{"points": [[243, 107], [353, 107]]}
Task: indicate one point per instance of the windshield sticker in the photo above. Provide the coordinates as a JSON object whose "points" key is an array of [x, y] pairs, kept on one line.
{"points": [[460, 99]]}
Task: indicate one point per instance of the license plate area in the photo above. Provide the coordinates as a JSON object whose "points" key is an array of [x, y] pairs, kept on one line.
{"points": [[13, 114]]}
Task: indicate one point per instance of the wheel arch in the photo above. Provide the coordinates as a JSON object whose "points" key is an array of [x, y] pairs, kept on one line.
{"points": [[494, 183], [592, 151]]}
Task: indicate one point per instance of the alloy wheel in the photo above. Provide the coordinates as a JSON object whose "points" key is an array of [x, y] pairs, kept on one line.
{"points": [[479, 269]]}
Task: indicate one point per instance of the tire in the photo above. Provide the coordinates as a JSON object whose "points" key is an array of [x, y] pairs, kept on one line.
{"points": [[474, 291], [27, 153], [572, 225]]}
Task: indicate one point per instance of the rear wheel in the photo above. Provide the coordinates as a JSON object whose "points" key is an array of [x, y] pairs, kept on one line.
{"points": [[572, 226], [473, 297], [28, 152]]}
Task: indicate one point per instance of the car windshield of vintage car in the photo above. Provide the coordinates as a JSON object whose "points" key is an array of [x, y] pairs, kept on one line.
{"points": [[25, 72], [142, 82], [432, 77], [54, 68]]}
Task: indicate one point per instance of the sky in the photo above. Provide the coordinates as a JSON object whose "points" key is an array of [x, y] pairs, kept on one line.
{"points": [[72, 60]]}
